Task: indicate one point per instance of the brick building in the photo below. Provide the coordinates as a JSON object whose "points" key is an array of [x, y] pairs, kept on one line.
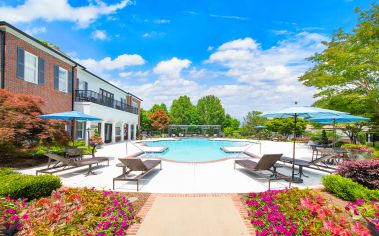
{"points": [[30, 66]]}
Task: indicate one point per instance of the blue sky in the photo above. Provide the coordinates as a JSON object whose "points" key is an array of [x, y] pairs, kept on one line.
{"points": [[249, 53]]}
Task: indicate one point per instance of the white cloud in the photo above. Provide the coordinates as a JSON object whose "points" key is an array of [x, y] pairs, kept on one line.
{"points": [[153, 34], [229, 17], [49, 10], [99, 34], [280, 32], [140, 75], [162, 21], [172, 68], [35, 30], [109, 64]]}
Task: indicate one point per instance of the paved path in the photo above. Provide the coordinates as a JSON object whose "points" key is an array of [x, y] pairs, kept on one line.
{"points": [[193, 216]]}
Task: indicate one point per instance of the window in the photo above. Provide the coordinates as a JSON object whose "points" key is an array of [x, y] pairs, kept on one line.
{"points": [[63, 80], [31, 68], [118, 131], [134, 104], [82, 85], [80, 130]]}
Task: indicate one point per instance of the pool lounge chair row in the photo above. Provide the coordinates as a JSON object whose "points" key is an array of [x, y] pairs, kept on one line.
{"points": [[60, 163]]}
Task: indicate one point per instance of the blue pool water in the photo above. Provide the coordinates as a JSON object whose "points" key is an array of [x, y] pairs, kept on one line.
{"points": [[195, 149]]}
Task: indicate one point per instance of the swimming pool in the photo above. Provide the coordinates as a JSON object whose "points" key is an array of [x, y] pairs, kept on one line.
{"points": [[196, 149]]}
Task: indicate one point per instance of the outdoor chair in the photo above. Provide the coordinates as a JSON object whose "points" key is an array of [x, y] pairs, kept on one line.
{"points": [[99, 159], [65, 164], [135, 164], [266, 163]]}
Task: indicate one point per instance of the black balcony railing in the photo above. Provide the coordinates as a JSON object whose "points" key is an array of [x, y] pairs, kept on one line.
{"points": [[92, 96]]}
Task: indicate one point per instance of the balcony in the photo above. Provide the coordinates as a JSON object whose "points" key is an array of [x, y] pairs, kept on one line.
{"points": [[92, 96]]}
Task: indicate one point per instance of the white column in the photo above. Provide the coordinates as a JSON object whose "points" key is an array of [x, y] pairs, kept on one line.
{"points": [[122, 131], [86, 133], [113, 132], [102, 131], [129, 131], [135, 132]]}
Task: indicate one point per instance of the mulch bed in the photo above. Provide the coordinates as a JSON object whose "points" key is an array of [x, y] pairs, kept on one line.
{"points": [[21, 162], [142, 198]]}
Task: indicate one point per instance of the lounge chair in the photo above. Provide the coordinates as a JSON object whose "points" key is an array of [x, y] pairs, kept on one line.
{"points": [[319, 163], [266, 163], [65, 164], [135, 164]]}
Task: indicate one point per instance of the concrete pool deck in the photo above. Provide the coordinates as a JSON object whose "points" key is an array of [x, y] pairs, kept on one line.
{"points": [[214, 177]]}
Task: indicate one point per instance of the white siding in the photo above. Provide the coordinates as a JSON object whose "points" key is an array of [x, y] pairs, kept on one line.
{"points": [[95, 84]]}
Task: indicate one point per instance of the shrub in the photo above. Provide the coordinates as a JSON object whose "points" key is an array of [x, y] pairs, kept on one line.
{"points": [[347, 189], [365, 172], [16, 185]]}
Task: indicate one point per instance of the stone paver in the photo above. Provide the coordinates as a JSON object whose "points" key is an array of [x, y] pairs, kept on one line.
{"points": [[194, 216]]}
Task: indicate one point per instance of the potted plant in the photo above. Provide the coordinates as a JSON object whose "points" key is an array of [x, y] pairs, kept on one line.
{"points": [[94, 142]]}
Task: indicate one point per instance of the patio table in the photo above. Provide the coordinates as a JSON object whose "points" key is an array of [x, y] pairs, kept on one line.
{"points": [[298, 162]]}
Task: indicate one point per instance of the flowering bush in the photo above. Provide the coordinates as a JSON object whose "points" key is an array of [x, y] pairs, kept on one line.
{"points": [[72, 212], [369, 210], [365, 172], [298, 212], [94, 142], [357, 150]]}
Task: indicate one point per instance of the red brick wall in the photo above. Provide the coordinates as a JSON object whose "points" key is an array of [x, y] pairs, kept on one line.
{"points": [[55, 101]]}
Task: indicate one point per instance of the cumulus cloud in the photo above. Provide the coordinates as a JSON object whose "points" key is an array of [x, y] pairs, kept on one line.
{"points": [[35, 30], [99, 35], [109, 64], [49, 10], [171, 68], [162, 21]]}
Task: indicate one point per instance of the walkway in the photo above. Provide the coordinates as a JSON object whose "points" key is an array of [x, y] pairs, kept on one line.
{"points": [[193, 215]]}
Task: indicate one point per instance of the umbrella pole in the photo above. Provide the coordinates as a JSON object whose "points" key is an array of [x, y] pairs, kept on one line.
{"points": [[293, 178], [334, 134]]}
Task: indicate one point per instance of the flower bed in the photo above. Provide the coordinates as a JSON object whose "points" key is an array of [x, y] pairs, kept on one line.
{"points": [[300, 212], [73, 212]]}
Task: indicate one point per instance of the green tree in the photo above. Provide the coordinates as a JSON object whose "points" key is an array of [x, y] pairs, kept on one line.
{"points": [[161, 106], [210, 110], [251, 120], [285, 126], [145, 120], [347, 72], [231, 125], [183, 112]]}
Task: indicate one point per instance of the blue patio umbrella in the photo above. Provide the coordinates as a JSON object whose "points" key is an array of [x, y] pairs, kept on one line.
{"points": [[335, 119], [299, 112], [70, 115], [260, 127]]}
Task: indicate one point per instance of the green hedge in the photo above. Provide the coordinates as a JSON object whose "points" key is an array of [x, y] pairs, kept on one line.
{"points": [[347, 189], [16, 185]]}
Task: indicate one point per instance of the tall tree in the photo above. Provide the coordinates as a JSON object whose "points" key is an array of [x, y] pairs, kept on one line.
{"points": [[285, 126], [145, 120], [251, 120], [183, 112], [161, 106], [347, 72], [160, 119], [210, 110]]}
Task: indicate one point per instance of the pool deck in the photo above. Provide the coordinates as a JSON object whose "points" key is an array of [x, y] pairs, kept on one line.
{"points": [[212, 177]]}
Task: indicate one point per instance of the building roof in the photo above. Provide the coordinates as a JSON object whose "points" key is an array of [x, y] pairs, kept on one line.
{"points": [[4, 23]]}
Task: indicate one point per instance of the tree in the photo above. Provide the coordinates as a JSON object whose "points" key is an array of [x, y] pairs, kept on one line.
{"points": [[251, 120], [183, 112], [230, 125], [145, 120], [210, 110], [161, 106], [285, 126], [20, 126], [347, 72], [160, 119]]}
